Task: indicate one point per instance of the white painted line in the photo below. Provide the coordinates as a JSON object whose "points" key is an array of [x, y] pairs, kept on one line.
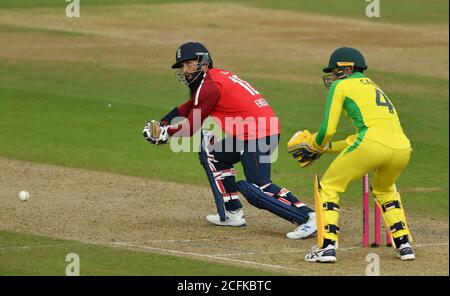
{"points": [[303, 250], [279, 252], [181, 240], [239, 254], [220, 256], [192, 240], [348, 248], [262, 253], [202, 255]]}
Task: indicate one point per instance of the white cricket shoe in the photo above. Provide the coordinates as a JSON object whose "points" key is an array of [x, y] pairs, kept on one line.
{"points": [[325, 255], [405, 252], [234, 218], [305, 230]]}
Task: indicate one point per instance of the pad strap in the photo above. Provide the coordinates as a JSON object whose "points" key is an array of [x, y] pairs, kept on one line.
{"points": [[283, 192], [332, 228], [397, 227], [331, 206], [391, 205], [220, 175], [230, 196]]}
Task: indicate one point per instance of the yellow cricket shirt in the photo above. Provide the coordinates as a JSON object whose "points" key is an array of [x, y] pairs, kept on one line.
{"points": [[367, 107]]}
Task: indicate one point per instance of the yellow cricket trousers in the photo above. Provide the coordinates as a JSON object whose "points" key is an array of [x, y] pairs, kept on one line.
{"points": [[351, 164]]}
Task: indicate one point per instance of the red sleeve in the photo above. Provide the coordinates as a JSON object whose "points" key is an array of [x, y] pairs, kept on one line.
{"points": [[202, 104], [181, 111], [185, 108]]}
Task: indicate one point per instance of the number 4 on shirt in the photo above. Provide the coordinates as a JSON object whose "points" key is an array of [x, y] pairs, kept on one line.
{"points": [[386, 102]]}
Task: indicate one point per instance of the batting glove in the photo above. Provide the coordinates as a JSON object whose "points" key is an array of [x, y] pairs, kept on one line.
{"points": [[155, 133]]}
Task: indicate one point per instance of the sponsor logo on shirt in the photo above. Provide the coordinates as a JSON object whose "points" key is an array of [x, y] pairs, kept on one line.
{"points": [[261, 103]]}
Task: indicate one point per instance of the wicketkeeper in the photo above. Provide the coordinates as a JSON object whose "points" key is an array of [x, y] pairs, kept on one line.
{"points": [[252, 134], [379, 146]]}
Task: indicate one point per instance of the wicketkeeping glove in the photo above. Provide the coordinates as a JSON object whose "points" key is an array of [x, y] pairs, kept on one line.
{"points": [[155, 133], [303, 148]]}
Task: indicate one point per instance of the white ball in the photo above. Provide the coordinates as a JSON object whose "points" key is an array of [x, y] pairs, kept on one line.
{"points": [[24, 195]]}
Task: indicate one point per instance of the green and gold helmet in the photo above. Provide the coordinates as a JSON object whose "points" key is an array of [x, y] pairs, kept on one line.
{"points": [[345, 56], [340, 59]]}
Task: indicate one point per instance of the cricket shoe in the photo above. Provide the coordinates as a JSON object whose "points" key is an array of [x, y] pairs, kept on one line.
{"points": [[405, 252], [325, 255], [305, 230], [234, 218]]}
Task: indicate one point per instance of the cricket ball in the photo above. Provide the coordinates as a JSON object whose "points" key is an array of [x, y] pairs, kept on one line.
{"points": [[24, 195]]}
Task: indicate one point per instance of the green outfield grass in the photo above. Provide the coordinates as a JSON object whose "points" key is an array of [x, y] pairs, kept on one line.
{"points": [[399, 11], [24, 254]]}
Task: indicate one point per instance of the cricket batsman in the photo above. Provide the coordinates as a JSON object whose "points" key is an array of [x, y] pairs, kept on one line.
{"points": [[379, 146], [252, 134]]}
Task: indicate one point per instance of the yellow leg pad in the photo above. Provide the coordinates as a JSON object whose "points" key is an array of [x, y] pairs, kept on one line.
{"points": [[404, 219], [327, 215], [331, 218], [319, 213], [394, 216], [386, 224]]}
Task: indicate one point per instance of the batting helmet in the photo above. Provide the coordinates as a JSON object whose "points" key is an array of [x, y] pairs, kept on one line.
{"points": [[192, 51], [345, 56]]}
